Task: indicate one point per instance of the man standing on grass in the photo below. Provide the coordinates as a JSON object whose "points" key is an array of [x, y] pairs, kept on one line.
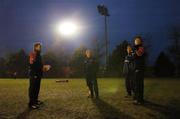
{"points": [[128, 71], [91, 68], [139, 60], [36, 69]]}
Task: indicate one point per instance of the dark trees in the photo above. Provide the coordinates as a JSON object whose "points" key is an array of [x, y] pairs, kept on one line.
{"points": [[163, 66]]}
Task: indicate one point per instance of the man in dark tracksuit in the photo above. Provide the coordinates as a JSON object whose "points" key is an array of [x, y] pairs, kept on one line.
{"points": [[139, 60], [90, 74], [36, 72], [128, 71]]}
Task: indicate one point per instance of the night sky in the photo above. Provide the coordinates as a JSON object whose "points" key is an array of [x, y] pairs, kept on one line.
{"points": [[23, 22]]}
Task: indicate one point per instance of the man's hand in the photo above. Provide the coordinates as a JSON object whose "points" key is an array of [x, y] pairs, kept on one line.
{"points": [[46, 68]]}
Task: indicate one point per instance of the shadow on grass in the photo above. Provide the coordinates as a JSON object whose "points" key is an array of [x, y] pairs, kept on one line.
{"points": [[24, 114], [68, 113], [6, 115], [108, 111], [3, 116], [169, 111]]}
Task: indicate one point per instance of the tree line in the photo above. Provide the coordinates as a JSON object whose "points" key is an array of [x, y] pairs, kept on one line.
{"points": [[16, 64], [167, 64]]}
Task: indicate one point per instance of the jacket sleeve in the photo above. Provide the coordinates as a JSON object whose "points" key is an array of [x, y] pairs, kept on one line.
{"points": [[96, 65], [140, 51], [125, 65], [32, 57], [125, 69]]}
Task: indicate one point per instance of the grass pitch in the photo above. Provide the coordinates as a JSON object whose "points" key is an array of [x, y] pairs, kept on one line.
{"points": [[69, 100]]}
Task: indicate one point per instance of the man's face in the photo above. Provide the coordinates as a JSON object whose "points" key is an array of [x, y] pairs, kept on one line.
{"points": [[88, 53], [137, 41], [38, 48], [129, 49]]}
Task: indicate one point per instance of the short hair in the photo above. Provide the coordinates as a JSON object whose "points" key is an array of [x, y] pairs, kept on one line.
{"points": [[139, 37], [36, 44]]}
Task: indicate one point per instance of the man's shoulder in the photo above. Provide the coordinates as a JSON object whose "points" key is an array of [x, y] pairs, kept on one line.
{"points": [[140, 51], [141, 48], [32, 57], [32, 54]]}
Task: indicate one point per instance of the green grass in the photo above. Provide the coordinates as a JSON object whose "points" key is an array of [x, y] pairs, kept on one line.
{"points": [[69, 100]]}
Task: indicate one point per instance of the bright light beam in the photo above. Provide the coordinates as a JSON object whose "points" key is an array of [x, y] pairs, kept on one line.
{"points": [[68, 28]]}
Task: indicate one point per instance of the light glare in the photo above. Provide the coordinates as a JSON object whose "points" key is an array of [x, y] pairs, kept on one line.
{"points": [[68, 28]]}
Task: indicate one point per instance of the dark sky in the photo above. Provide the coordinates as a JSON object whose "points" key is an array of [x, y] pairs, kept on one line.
{"points": [[24, 21]]}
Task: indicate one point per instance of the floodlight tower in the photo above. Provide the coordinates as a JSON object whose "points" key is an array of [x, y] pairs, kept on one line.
{"points": [[103, 10]]}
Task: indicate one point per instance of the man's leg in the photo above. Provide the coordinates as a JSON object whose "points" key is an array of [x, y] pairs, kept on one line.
{"points": [[133, 84], [38, 84], [31, 91], [90, 86], [141, 87], [136, 85], [87, 83], [128, 85], [91, 89], [96, 90]]}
